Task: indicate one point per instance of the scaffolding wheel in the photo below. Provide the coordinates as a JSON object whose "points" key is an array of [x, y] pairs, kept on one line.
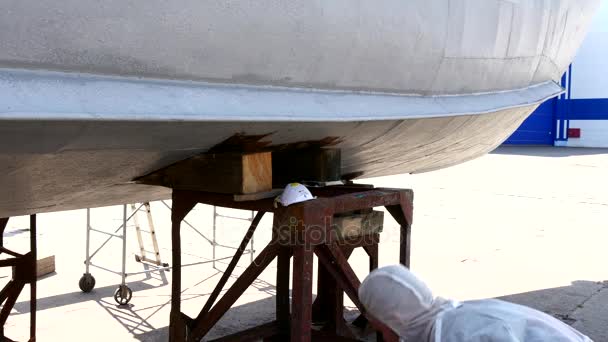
{"points": [[123, 295], [86, 283]]}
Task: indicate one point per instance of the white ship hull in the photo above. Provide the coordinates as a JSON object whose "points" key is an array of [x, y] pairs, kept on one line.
{"points": [[93, 95]]}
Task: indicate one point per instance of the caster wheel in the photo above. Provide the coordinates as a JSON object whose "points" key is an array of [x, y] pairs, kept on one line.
{"points": [[86, 283], [123, 295]]}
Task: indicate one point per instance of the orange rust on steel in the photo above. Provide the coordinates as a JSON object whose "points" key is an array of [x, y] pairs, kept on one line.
{"points": [[305, 221], [13, 289], [181, 206], [335, 190], [224, 200], [360, 200], [301, 293], [372, 252], [329, 303], [33, 276], [24, 273], [403, 214], [3, 223], [282, 288], [326, 284], [334, 261], [332, 258]]}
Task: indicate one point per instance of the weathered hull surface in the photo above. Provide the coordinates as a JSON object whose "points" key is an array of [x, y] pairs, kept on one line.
{"points": [[95, 94], [74, 170]]}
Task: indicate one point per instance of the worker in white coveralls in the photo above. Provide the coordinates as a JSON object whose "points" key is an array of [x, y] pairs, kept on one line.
{"points": [[405, 304]]}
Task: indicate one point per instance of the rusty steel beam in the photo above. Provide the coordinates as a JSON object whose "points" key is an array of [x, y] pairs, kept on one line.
{"points": [[3, 223], [301, 294], [235, 260], [24, 272], [179, 209], [300, 231], [33, 276], [282, 288], [403, 215], [201, 326], [335, 262], [225, 200], [328, 306]]}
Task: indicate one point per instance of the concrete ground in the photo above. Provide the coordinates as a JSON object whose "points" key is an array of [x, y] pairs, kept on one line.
{"points": [[525, 224]]}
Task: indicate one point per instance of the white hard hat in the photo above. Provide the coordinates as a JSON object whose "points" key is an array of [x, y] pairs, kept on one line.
{"points": [[294, 193]]}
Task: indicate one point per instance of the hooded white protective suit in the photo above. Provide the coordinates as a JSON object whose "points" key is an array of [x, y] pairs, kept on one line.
{"points": [[404, 303]]}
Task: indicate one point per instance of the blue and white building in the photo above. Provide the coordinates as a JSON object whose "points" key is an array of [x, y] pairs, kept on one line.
{"points": [[579, 117]]}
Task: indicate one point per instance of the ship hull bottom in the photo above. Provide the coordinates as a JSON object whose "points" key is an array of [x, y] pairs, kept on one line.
{"points": [[58, 165]]}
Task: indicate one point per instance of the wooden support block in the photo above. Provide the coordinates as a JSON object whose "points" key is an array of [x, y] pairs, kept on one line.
{"points": [[228, 173], [353, 225], [305, 165], [44, 266], [258, 195]]}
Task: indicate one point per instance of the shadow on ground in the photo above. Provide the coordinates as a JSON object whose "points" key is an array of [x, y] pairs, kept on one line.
{"points": [[96, 295], [236, 319], [583, 305], [548, 151]]}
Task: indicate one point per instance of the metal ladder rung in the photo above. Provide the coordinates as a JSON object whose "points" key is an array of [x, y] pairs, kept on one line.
{"points": [[146, 208]]}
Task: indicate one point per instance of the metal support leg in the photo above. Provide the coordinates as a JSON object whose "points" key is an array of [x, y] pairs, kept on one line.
{"points": [[178, 329], [24, 272], [251, 254], [213, 241], [87, 281], [88, 242], [282, 296], [123, 294], [403, 214], [34, 278], [124, 245], [301, 300], [303, 238]]}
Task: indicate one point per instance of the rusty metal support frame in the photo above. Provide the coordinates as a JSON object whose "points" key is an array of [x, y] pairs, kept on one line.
{"points": [[300, 232], [24, 273]]}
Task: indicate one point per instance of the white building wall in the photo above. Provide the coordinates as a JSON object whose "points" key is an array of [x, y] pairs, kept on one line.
{"points": [[590, 81], [590, 67], [594, 133]]}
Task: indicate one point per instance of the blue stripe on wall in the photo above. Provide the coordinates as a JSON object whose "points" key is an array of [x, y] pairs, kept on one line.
{"points": [[585, 109]]}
